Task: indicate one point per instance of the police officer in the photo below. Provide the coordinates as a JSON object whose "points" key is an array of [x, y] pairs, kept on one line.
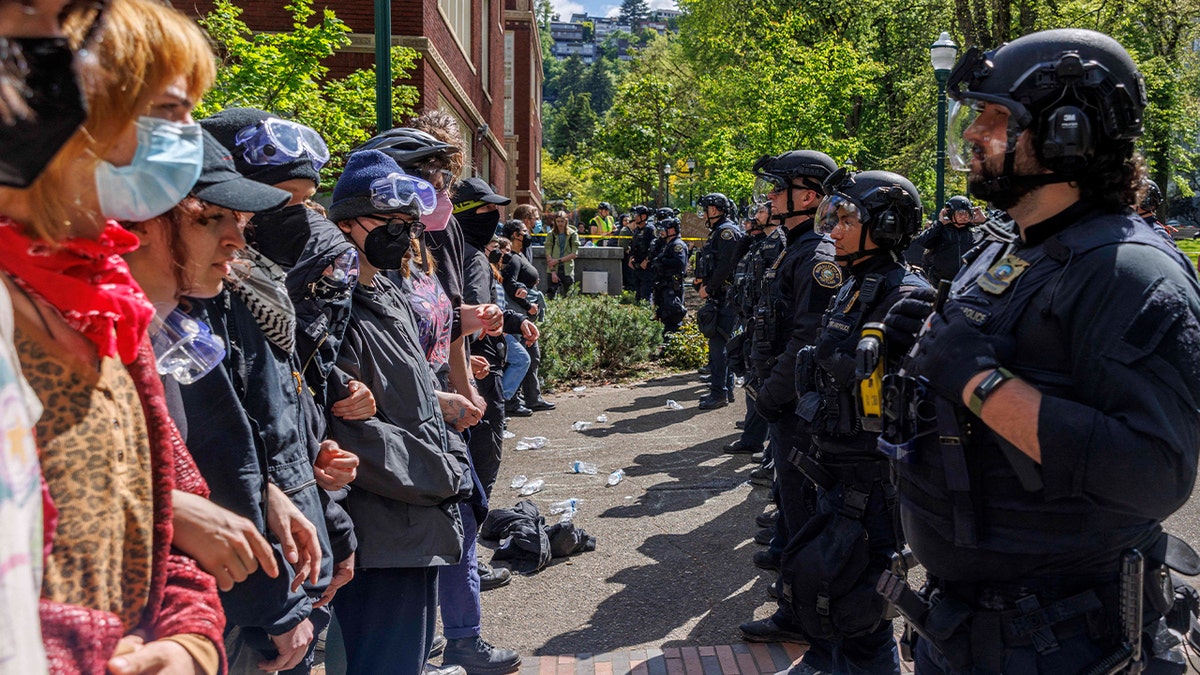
{"points": [[1147, 208], [639, 252], [1063, 370], [948, 240], [797, 285], [668, 267], [624, 239], [832, 564], [714, 276]]}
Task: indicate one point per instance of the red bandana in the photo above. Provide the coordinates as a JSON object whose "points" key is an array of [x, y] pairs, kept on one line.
{"points": [[86, 280]]}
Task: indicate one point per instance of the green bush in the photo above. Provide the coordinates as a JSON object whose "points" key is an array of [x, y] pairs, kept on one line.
{"points": [[595, 336], [686, 348]]}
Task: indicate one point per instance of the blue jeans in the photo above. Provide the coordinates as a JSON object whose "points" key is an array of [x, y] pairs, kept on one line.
{"points": [[387, 617], [458, 585], [515, 366]]}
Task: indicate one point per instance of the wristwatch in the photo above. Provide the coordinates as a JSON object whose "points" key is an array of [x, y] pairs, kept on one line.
{"points": [[986, 388]]}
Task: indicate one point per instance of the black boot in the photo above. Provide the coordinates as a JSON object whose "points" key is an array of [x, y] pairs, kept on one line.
{"points": [[478, 657]]}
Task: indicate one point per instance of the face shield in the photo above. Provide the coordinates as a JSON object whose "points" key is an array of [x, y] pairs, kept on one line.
{"points": [[832, 209], [397, 189], [978, 124], [766, 185]]}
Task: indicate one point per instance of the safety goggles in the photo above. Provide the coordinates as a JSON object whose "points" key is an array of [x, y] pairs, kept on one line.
{"points": [[766, 185], [274, 141], [398, 189], [831, 210], [185, 348], [443, 178]]}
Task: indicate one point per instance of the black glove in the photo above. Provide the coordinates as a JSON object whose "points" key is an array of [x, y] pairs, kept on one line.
{"points": [[905, 318], [954, 351]]}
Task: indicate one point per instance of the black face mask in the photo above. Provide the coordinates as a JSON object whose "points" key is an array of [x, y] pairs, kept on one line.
{"points": [[282, 235], [495, 256], [58, 108], [385, 250], [478, 228]]}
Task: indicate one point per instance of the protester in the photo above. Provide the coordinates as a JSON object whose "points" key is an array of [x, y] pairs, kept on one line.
{"points": [[521, 287], [516, 358]]}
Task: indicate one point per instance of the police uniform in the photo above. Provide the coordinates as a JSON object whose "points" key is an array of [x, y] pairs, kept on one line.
{"points": [[668, 267], [640, 250], [625, 232], [715, 267], [1103, 318], [944, 246], [743, 294]]}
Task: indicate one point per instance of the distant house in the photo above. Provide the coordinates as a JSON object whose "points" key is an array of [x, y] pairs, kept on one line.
{"points": [[480, 61]]}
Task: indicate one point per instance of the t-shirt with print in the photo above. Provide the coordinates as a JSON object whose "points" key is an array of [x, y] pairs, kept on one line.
{"points": [[20, 511], [435, 318]]}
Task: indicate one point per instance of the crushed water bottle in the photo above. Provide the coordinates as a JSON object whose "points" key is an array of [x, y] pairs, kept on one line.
{"points": [[602, 418], [532, 487], [532, 443], [508, 434], [565, 506], [581, 425], [616, 477], [578, 389], [518, 481], [673, 405], [583, 467]]}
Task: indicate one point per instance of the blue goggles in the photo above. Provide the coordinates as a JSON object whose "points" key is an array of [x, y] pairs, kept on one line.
{"points": [[275, 141], [398, 189]]}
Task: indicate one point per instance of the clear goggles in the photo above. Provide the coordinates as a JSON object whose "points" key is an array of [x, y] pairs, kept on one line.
{"points": [[832, 209], [185, 348], [274, 141], [399, 189], [766, 185], [988, 127]]}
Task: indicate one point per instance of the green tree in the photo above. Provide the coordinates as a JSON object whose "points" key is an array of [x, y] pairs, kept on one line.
{"points": [[285, 73], [633, 11], [573, 124], [600, 86]]}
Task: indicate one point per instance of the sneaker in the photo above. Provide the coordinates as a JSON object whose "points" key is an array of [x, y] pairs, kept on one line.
{"points": [[762, 477], [764, 536], [478, 657], [766, 630], [713, 401], [542, 404], [431, 669], [767, 519], [738, 448], [765, 560], [492, 577], [437, 647]]}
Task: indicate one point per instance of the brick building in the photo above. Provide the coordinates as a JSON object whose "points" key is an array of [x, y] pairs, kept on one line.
{"points": [[481, 60]]}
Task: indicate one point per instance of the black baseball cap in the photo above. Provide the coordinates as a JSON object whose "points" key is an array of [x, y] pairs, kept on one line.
{"points": [[221, 184], [471, 193]]}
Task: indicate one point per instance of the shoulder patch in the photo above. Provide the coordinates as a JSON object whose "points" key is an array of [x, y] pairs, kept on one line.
{"points": [[680, 247], [827, 274], [726, 233]]}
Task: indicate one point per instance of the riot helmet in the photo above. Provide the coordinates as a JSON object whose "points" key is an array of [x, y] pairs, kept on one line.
{"points": [[718, 200], [1073, 89], [1151, 196], [887, 205], [666, 218], [640, 213], [604, 206], [774, 173]]}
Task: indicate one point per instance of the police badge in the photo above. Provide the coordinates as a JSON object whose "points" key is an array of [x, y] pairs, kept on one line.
{"points": [[1001, 275], [827, 274]]}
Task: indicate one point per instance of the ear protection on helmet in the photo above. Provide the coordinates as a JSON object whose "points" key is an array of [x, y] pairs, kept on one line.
{"points": [[1066, 140], [899, 218]]}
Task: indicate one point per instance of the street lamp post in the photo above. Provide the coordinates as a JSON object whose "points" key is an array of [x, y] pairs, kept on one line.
{"points": [[666, 201], [383, 65], [691, 171], [942, 54]]}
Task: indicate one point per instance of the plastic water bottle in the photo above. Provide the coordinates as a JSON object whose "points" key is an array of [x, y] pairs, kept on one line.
{"points": [[532, 443], [581, 425], [583, 467], [565, 506], [508, 434], [532, 487], [602, 418], [518, 481], [616, 477], [578, 389], [673, 405]]}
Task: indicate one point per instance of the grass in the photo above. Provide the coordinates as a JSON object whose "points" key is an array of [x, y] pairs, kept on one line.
{"points": [[1191, 247]]}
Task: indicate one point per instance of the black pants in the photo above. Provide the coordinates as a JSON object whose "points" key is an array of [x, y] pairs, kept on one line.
{"points": [[487, 437], [387, 617], [531, 386], [564, 284]]}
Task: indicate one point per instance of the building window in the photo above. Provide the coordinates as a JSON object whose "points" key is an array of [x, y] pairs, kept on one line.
{"points": [[466, 139], [485, 35], [485, 164], [458, 15], [509, 54]]}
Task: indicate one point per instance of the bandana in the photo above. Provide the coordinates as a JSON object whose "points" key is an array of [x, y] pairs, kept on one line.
{"points": [[261, 285], [86, 281]]}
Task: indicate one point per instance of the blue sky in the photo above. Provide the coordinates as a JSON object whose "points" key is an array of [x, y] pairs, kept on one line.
{"points": [[565, 8]]}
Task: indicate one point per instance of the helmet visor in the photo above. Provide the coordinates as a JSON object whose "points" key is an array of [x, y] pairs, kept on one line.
{"points": [[975, 124], [397, 189], [831, 211], [766, 185], [276, 141]]}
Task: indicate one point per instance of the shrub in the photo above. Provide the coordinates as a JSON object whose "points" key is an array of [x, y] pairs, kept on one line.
{"points": [[595, 336], [686, 348]]}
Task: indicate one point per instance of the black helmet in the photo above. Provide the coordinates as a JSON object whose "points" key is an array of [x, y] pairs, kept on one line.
{"points": [[718, 200], [604, 205], [1151, 195], [407, 146], [777, 171], [959, 203], [641, 210], [887, 204], [1070, 86], [665, 213]]}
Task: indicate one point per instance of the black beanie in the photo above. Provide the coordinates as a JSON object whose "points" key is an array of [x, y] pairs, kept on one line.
{"points": [[225, 126]]}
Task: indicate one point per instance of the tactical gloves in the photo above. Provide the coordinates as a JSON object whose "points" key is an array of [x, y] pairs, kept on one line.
{"points": [[905, 318], [953, 351]]}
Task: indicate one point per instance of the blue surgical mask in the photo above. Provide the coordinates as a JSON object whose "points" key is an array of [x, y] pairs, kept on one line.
{"points": [[164, 168]]}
